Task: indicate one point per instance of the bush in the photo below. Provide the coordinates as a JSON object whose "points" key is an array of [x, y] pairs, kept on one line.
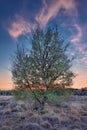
{"points": [[57, 99], [22, 95], [53, 96]]}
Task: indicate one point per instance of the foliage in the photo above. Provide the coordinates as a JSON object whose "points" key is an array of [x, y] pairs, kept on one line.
{"points": [[62, 91], [6, 92], [44, 65], [58, 96], [55, 97], [22, 95]]}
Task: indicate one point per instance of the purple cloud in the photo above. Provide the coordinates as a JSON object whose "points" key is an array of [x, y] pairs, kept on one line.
{"points": [[51, 10], [21, 26]]}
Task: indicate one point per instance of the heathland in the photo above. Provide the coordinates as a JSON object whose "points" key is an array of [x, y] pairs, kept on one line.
{"points": [[60, 113]]}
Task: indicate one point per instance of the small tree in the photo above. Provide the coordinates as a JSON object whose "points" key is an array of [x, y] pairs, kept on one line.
{"points": [[46, 63]]}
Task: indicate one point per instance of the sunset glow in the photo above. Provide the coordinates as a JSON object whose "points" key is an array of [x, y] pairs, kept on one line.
{"points": [[6, 82]]}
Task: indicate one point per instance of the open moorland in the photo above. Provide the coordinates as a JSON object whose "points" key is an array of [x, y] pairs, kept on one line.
{"points": [[19, 115]]}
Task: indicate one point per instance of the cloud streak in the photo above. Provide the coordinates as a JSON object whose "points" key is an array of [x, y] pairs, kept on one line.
{"points": [[51, 8], [79, 40], [77, 37], [20, 26]]}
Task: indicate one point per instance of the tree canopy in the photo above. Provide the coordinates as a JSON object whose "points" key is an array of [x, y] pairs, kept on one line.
{"points": [[45, 65]]}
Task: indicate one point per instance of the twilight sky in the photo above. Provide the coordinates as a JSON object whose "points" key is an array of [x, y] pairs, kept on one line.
{"points": [[19, 17]]}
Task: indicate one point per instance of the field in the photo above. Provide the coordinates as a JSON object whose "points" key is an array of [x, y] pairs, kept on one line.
{"points": [[19, 115]]}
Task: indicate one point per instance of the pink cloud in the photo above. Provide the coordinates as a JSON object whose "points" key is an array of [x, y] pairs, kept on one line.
{"points": [[50, 11], [77, 37], [79, 40], [20, 27]]}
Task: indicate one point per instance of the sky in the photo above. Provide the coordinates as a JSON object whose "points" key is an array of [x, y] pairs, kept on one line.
{"points": [[19, 17]]}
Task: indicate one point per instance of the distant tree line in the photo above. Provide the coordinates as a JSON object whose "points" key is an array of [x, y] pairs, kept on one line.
{"points": [[80, 92], [6, 92], [59, 92]]}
